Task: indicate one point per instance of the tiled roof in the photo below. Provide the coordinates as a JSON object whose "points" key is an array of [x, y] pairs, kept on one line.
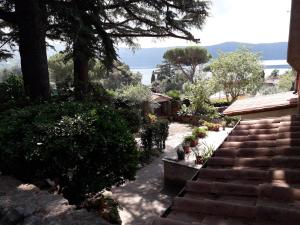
{"points": [[157, 97], [252, 179], [262, 103]]}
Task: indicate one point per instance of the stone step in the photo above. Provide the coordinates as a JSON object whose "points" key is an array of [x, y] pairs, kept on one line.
{"points": [[257, 126], [263, 191], [261, 162], [292, 135], [249, 144], [214, 207], [235, 174], [288, 142], [290, 123], [166, 221], [257, 152], [260, 121], [280, 215], [291, 176], [257, 137], [290, 118], [253, 132], [283, 129]]}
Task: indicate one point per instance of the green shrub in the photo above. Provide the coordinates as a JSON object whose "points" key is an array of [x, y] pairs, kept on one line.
{"points": [[174, 94], [200, 132], [12, 93], [231, 121], [85, 147], [219, 102], [132, 117], [154, 136]]}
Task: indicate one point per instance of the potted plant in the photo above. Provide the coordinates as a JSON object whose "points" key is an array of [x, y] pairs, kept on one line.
{"points": [[216, 127], [200, 132], [198, 155], [223, 124], [180, 154], [187, 144], [193, 140]]}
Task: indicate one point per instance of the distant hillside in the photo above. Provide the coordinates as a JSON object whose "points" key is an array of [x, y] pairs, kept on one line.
{"points": [[150, 57]]}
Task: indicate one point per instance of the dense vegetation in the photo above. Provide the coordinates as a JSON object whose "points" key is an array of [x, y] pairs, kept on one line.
{"points": [[82, 146]]}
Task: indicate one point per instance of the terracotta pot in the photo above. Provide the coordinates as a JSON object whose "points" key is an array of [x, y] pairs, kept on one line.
{"points": [[186, 149], [199, 160], [201, 135], [194, 143]]}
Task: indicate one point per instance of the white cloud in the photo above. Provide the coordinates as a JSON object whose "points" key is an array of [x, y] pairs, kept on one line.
{"points": [[251, 21]]}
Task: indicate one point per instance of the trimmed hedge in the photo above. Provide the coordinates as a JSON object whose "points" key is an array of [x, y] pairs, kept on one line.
{"points": [[82, 146]]}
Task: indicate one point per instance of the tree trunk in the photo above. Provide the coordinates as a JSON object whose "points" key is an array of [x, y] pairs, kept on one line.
{"points": [[81, 69], [32, 22]]}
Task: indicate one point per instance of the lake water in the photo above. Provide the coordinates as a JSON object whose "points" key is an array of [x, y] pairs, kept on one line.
{"points": [[269, 66]]}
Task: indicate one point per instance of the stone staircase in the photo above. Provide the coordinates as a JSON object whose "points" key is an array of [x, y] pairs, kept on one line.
{"points": [[252, 179]]}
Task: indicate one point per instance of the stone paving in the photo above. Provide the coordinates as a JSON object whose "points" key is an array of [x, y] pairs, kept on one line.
{"points": [[144, 198]]}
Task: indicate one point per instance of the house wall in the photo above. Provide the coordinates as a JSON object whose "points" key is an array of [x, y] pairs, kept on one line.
{"points": [[274, 113]]}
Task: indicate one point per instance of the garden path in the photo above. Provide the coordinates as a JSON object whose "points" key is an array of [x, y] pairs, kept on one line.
{"points": [[144, 198]]}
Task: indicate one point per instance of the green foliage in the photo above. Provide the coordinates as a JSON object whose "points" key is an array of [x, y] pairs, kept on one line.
{"points": [[286, 81], [12, 93], [219, 102], [174, 94], [132, 117], [237, 73], [154, 136], [187, 59], [61, 71], [206, 151], [84, 146], [231, 121], [189, 138], [200, 132], [198, 94], [135, 94], [168, 78], [212, 126], [120, 76]]}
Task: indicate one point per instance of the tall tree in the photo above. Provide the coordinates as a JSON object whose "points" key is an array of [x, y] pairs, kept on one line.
{"points": [[28, 20], [187, 60], [92, 28], [238, 73]]}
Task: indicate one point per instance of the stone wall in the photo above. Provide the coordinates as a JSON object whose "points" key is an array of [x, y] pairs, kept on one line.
{"points": [[25, 204]]}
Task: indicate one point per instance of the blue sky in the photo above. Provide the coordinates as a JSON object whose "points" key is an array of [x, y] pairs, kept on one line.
{"points": [[252, 21]]}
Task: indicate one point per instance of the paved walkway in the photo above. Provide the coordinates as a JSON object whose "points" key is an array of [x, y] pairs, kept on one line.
{"points": [[143, 198]]}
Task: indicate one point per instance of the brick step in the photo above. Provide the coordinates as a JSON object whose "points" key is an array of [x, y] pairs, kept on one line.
{"points": [[257, 137], [253, 132], [260, 121], [262, 162], [283, 129], [292, 135], [214, 207], [257, 152], [257, 126], [280, 215], [290, 123], [249, 144], [290, 118], [165, 221], [264, 191], [290, 176], [288, 142]]}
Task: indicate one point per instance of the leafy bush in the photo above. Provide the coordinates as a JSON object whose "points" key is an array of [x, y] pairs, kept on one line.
{"points": [[132, 117], [83, 146], [231, 121], [12, 93], [212, 126], [200, 132], [174, 94], [220, 102], [154, 136]]}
